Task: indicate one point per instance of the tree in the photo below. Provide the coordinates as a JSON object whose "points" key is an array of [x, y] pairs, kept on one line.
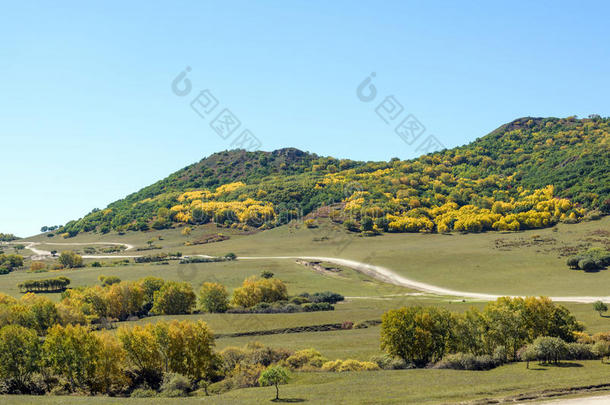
{"points": [[600, 307], [70, 260], [72, 352], [416, 334], [151, 285], [110, 368], [213, 297], [254, 291], [19, 354], [174, 298], [274, 375]]}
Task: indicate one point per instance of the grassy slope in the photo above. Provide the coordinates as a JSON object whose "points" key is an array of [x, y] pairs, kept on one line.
{"points": [[432, 258], [385, 387]]}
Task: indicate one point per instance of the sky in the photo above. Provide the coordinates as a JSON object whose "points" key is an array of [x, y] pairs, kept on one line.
{"points": [[92, 108]]}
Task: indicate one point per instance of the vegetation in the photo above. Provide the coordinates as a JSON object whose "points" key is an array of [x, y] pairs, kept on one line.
{"points": [[7, 237], [274, 375], [10, 262], [593, 259], [526, 174], [422, 335], [45, 285], [70, 260]]}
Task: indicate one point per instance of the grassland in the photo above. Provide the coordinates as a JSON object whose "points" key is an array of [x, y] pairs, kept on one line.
{"points": [[423, 386], [531, 262]]}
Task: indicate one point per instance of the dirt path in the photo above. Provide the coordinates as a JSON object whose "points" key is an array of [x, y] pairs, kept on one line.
{"points": [[597, 400], [389, 276]]}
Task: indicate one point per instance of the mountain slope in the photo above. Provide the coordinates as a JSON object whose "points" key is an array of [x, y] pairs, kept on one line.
{"points": [[530, 173]]}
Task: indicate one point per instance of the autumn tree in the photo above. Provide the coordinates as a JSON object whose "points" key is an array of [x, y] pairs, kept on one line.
{"points": [[19, 354], [416, 334], [213, 297], [72, 352], [70, 259], [174, 298]]}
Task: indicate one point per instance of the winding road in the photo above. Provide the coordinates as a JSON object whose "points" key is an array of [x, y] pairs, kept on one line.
{"points": [[380, 273]]}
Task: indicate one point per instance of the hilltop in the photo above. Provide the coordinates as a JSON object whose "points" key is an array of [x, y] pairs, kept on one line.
{"points": [[529, 173]]}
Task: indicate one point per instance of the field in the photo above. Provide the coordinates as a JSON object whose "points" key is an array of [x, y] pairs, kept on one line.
{"points": [[387, 387], [521, 263]]}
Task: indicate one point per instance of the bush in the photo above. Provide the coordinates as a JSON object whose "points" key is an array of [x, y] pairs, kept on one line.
{"points": [[387, 362], [319, 306], [266, 274], [466, 361], [143, 393], [175, 385], [340, 366], [308, 358], [326, 296], [587, 264], [580, 351]]}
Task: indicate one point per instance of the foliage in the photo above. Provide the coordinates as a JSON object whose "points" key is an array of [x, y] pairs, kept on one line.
{"points": [[213, 297], [421, 335], [530, 173], [274, 375], [600, 307], [45, 285], [174, 298], [70, 260], [254, 291], [10, 262], [340, 366]]}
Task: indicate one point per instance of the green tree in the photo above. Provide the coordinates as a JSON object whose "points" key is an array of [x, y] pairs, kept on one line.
{"points": [[274, 375], [213, 297], [416, 334], [600, 307], [174, 298]]}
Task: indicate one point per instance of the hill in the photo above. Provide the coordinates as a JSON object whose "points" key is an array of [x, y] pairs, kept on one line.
{"points": [[530, 173]]}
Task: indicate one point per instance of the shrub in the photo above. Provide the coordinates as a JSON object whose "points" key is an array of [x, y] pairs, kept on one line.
{"points": [[306, 358], [143, 393], [587, 264], [266, 274], [347, 325], [310, 223], [387, 362], [37, 266], [466, 361], [340, 366], [580, 351], [326, 296], [175, 385], [319, 306]]}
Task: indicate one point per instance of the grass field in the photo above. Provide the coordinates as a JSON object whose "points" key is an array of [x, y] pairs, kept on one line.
{"points": [[521, 263], [422, 386]]}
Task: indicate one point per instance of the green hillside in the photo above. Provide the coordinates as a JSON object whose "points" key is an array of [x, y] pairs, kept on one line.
{"points": [[530, 173]]}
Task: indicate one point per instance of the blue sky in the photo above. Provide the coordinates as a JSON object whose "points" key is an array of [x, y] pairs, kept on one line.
{"points": [[87, 114]]}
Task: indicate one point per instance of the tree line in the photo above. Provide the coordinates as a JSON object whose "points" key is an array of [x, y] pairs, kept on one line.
{"points": [[44, 285], [424, 335]]}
